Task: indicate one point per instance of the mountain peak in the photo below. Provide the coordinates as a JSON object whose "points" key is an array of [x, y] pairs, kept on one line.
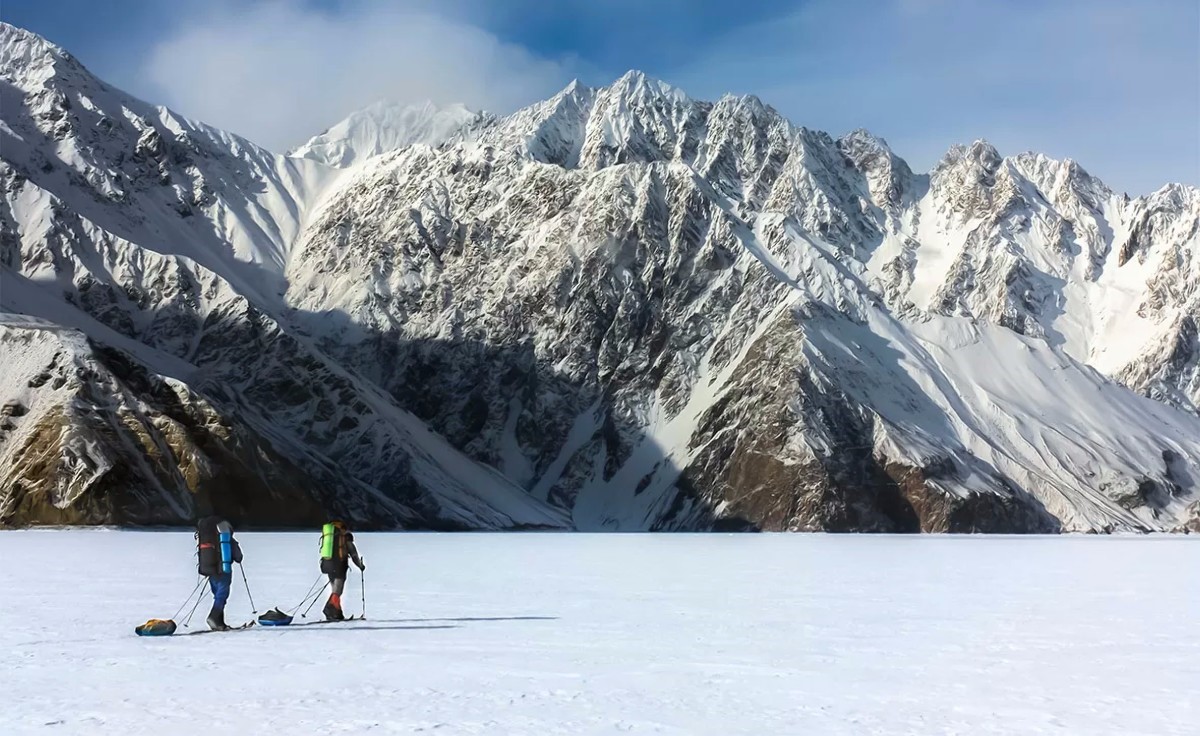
{"points": [[1181, 194], [575, 87], [980, 155], [17, 43], [861, 138], [385, 126], [637, 83], [23, 53], [632, 77]]}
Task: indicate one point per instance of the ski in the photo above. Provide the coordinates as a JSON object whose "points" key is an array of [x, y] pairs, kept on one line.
{"points": [[348, 619], [243, 627]]}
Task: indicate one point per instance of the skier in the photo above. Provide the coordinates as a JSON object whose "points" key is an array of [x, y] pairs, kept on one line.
{"points": [[337, 549], [217, 551]]}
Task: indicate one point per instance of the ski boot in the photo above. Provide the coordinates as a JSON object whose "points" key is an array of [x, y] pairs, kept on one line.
{"points": [[333, 612], [216, 621]]}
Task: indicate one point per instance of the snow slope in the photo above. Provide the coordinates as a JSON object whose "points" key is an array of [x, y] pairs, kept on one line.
{"points": [[384, 127], [591, 634], [143, 172]]}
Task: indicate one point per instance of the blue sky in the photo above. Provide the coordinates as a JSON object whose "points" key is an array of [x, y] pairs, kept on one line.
{"points": [[1113, 84]]}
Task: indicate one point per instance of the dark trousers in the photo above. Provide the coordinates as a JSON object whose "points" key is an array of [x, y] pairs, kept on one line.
{"points": [[220, 590]]}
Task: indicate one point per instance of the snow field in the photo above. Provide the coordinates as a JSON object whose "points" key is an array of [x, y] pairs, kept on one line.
{"points": [[599, 634]]}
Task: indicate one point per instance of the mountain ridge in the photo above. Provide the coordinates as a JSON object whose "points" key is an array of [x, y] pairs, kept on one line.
{"points": [[619, 308]]}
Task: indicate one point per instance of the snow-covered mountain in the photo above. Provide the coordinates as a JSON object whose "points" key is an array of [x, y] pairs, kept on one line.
{"points": [[386, 126], [150, 252], [619, 308]]}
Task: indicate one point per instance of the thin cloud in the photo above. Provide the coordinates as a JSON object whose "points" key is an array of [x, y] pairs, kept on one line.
{"points": [[278, 73], [1110, 83]]}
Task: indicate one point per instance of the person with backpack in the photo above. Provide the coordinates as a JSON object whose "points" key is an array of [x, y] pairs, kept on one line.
{"points": [[337, 550], [217, 551]]}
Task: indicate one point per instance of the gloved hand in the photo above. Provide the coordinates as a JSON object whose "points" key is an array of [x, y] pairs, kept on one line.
{"points": [[362, 565]]}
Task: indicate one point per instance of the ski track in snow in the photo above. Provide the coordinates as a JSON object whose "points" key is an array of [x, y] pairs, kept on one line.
{"points": [[599, 634]]}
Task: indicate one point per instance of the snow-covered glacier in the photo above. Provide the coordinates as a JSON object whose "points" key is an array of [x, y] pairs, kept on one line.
{"points": [[618, 308], [685, 634]]}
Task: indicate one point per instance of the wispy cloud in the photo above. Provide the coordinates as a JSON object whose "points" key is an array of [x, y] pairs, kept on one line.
{"points": [[1114, 84], [279, 72]]}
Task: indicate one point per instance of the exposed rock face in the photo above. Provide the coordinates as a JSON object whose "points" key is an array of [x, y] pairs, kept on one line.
{"points": [[104, 440], [619, 308]]}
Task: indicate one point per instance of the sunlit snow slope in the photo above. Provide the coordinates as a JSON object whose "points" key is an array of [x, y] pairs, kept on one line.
{"points": [[384, 127]]}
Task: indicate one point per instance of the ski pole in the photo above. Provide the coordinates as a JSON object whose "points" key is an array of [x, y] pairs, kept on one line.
{"points": [[189, 598], [188, 620], [309, 596], [316, 598], [253, 607], [362, 587], [311, 589]]}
